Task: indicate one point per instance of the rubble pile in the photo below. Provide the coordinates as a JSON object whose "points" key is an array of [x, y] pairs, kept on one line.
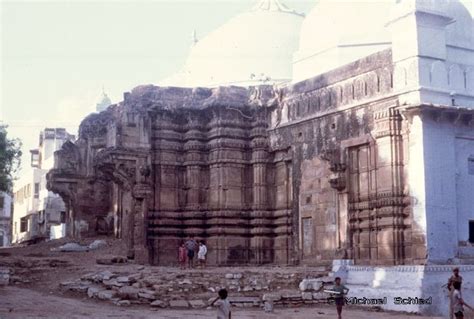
{"points": [[197, 289]]}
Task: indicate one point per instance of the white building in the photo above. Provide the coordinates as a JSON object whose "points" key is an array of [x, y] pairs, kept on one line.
{"points": [[38, 213], [5, 219]]}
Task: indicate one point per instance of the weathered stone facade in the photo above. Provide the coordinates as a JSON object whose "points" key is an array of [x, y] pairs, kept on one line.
{"points": [[306, 173]]}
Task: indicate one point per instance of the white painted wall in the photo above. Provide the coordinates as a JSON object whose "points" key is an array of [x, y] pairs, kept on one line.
{"points": [[440, 190], [464, 147], [406, 281]]}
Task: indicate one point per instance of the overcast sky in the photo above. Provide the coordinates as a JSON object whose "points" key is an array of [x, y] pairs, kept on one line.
{"points": [[57, 55]]}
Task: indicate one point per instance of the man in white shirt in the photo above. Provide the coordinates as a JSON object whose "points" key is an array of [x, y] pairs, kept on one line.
{"points": [[202, 254]]}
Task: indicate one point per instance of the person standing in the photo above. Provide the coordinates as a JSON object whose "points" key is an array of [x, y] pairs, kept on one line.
{"points": [[202, 254], [458, 302], [182, 256], [340, 291], [454, 278], [191, 248], [223, 305]]}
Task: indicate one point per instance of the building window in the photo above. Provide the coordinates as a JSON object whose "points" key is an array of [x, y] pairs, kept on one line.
{"points": [[1, 240], [23, 224], [2, 202], [63, 217], [470, 165], [37, 190], [471, 231]]}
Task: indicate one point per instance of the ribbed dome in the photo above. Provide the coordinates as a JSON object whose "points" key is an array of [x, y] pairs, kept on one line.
{"points": [[254, 47]]}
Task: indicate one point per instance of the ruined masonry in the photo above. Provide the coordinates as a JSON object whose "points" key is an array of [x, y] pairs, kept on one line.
{"points": [[219, 164]]}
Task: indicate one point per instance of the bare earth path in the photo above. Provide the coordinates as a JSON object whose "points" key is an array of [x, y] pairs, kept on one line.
{"points": [[21, 303]]}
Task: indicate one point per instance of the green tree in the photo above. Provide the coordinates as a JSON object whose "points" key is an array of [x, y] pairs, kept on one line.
{"points": [[10, 157]]}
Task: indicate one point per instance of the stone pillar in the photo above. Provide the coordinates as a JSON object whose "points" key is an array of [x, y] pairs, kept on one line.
{"points": [[389, 223], [259, 186], [141, 193]]}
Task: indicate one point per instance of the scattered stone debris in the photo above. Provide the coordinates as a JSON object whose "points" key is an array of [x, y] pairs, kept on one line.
{"points": [[75, 247], [110, 260], [197, 289]]}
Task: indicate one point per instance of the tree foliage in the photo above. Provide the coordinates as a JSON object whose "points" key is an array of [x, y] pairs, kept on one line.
{"points": [[10, 157]]}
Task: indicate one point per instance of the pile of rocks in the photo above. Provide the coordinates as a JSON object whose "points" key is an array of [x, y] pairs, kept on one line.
{"points": [[197, 289]]}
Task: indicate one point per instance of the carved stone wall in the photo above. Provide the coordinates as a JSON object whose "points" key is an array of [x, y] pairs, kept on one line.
{"points": [[299, 174]]}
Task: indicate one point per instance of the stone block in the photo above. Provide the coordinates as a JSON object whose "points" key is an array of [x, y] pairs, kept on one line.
{"points": [[92, 292], [307, 296], [146, 296], [124, 303], [106, 294], [311, 284], [159, 304], [197, 303], [128, 292], [179, 304]]}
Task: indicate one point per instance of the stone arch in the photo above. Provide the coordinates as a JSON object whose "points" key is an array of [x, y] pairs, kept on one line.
{"points": [[456, 78], [438, 75]]}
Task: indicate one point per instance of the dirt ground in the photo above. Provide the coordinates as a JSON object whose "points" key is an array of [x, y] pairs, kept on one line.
{"points": [[20, 303], [38, 271]]}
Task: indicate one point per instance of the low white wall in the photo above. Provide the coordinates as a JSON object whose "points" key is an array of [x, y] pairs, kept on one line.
{"points": [[405, 282]]}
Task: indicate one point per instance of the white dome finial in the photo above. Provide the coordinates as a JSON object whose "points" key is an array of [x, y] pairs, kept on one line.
{"points": [[194, 37]]}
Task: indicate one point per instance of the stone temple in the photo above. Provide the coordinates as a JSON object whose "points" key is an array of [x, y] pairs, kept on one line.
{"points": [[345, 137]]}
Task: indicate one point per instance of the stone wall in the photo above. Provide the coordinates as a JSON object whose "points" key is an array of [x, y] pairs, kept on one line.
{"points": [[169, 163], [305, 173], [346, 140]]}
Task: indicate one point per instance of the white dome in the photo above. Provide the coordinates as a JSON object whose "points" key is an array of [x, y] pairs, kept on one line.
{"points": [[458, 33], [337, 32], [335, 22], [253, 47]]}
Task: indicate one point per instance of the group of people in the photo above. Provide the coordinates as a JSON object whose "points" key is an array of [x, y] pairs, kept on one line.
{"points": [[187, 250]]}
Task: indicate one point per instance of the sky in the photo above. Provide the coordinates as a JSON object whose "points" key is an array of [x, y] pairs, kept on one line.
{"points": [[56, 56]]}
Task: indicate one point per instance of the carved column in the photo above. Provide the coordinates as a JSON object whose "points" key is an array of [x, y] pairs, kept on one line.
{"points": [[389, 205], [141, 193]]}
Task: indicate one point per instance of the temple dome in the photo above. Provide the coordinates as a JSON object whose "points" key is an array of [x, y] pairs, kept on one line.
{"points": [[459, 32], [254, 47], [336, 32], [103, 103]]}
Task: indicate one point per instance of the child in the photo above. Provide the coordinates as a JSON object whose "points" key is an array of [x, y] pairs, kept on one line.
{"points": [[339, 298], [458, 302], [223, 305], [182, 256], [202, 254]]}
